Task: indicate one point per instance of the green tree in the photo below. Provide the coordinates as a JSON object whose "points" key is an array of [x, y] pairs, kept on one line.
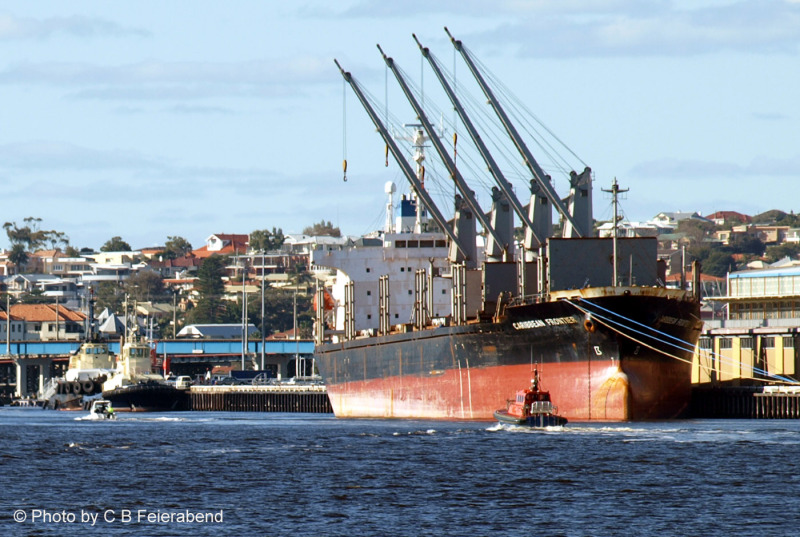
{"points": [[263, 240], [210, 307], [791, 220], [696, 230], [718, 263], [774, 253], [144, 286], [741, 243], [279, 312], [18, 256], [176, 247], [33, 238], [36, 296], [322, 228], [109, 295], [116, 244]]}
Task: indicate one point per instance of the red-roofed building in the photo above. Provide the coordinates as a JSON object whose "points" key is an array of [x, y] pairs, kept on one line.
{"points": [[721, 217], [49, 322], [152, 252], [287, 334], [170, 268], [223, 244], [17, 327]]}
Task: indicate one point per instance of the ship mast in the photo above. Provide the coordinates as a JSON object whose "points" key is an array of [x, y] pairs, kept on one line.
{"points": [[466, 192], [531, 163], [615, 191], [403, 163]]}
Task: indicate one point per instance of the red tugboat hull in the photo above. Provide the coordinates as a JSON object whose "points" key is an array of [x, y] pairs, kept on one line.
{"points": [[539, 420]]}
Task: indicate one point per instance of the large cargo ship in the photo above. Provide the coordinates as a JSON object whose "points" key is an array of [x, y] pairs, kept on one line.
{"points": [[606, 353], [423, 321]]}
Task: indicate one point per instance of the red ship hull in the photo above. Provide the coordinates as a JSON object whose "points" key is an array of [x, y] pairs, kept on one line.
{"points": [[596, 390]]}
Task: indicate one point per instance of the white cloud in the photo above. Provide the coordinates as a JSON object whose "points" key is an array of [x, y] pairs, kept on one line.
{"points": [[623, 29], [21, 28], [153, 79], [42, 155], [698, 169]]}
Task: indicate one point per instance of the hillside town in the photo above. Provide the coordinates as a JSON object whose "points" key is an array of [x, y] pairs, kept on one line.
{"points": [[47, 291]]}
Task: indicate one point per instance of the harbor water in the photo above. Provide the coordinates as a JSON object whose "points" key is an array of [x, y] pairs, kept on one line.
{"points": [[226, 473]]}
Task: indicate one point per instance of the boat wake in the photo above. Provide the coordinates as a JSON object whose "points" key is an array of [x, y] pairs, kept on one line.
{"points": [[524, 428], [416, 433], [158, 419]]}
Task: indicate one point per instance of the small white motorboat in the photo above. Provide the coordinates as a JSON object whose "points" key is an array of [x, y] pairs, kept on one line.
{"points": [[101, 409]]}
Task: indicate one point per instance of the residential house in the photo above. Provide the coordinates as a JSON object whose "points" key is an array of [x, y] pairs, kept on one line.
{"points": [[58, 263], [69, 267], [233, 290], [672, 241], [720, 218], [770, 235], [41, 260], [793, 235], [116, 258], [631, 229], [49, 285], [11, 325], [47, 322], [672, 219], [6, 266], [153, 252], [180, 267], [223, 244]]}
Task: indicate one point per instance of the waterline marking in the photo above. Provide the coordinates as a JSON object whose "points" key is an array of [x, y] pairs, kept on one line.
{"points": [[118, 516]]}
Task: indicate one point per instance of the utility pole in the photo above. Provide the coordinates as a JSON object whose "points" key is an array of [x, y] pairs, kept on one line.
{"points": [[244, 312], [8, 323], [175, 314], [263, 338]]}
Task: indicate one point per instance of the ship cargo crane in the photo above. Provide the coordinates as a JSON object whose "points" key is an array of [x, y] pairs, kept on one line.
{"points": [[463, 187], [405, 166], [499, 178], [530, 161]]}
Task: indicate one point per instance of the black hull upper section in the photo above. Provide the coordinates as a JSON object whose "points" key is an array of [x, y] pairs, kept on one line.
{"points": [[148, 397], [618, 326]]}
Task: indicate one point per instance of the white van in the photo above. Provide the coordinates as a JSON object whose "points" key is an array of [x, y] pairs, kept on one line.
{"points": [[183, 382]]}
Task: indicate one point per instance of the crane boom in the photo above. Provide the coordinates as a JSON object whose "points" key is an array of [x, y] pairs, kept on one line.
{"points": [[462, 186], [533, 166], [402, 162], [499, 178]]}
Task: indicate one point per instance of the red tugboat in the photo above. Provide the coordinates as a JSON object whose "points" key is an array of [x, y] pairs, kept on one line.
{"points": [[532, 408]]}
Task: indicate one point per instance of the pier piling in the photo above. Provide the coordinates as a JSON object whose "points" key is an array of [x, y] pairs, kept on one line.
{"points": [[745, 403], [304, 399]]}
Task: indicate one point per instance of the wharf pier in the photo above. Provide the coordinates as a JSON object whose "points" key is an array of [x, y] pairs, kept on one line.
{"points": [[745, 402], [268, 398]]}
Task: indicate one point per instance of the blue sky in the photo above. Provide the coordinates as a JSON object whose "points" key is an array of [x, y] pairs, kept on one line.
{"points": [[146, 119]]}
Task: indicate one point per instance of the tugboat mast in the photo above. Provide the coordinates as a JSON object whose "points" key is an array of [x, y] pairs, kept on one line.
{"points": [[615, 191]]}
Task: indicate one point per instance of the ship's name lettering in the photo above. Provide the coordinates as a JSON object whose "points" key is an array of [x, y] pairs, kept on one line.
{"points": [[666, 319], [539, 323]]}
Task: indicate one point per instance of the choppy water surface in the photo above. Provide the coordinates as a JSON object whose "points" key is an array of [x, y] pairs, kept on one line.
{"points": [[298, 475]]}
